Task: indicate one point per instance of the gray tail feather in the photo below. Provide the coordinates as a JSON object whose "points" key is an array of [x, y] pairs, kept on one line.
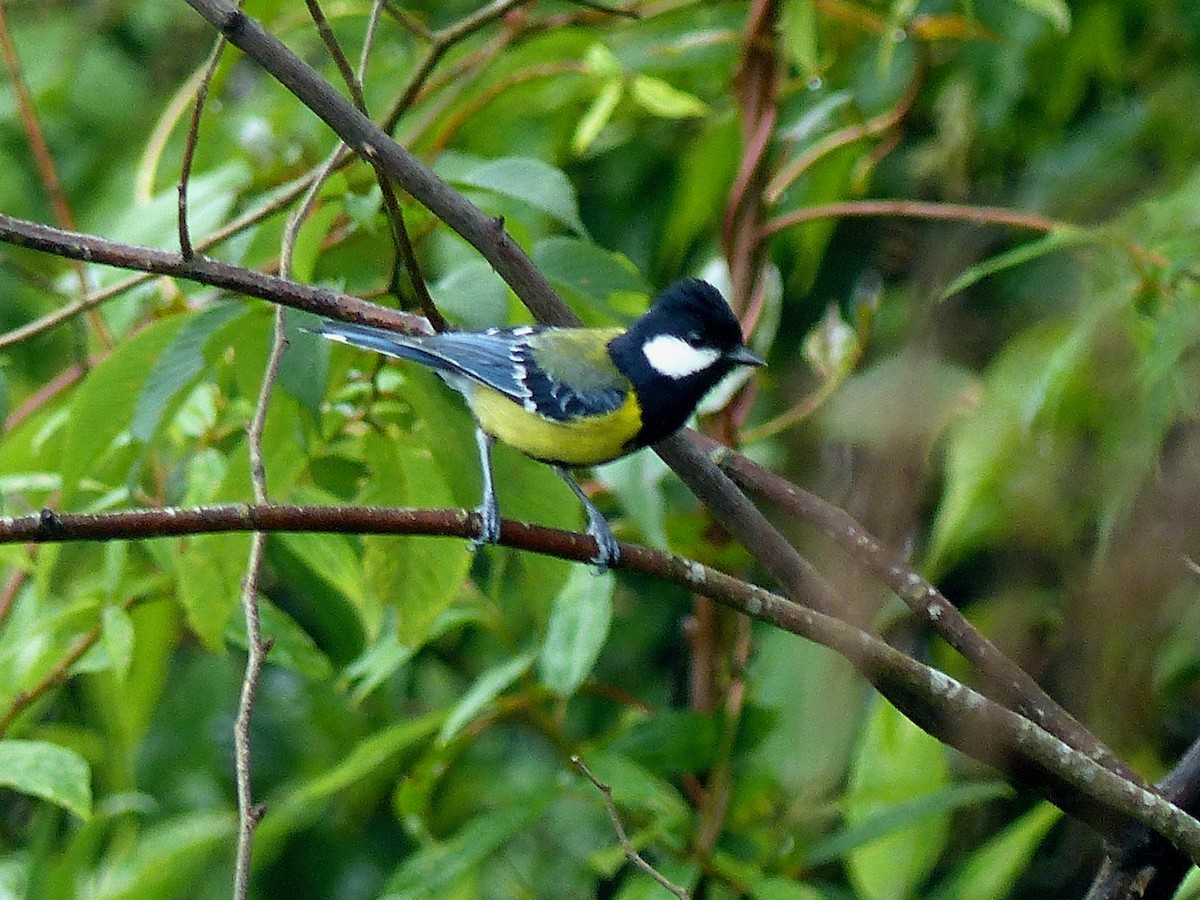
{"points": [[389, 343]]}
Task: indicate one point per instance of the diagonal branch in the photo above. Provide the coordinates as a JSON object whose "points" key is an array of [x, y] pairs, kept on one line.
{"points": [[74, 245]]}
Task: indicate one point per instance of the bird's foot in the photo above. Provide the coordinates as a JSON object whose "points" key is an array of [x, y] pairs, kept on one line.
{"points": [[489, 524], [608, 553]]}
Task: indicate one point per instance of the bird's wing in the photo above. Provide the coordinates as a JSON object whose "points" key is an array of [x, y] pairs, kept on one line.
{"points": [[517, 362], [556, 357]]}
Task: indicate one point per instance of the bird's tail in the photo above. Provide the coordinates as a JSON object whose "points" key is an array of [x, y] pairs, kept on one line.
{"points": [[389, 343]]}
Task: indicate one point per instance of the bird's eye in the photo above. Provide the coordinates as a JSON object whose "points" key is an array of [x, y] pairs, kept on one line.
{"points": [[694, 338]]}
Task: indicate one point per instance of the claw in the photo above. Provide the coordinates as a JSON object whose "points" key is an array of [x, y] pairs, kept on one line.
{"points": [[489, 523], [608, 553]]}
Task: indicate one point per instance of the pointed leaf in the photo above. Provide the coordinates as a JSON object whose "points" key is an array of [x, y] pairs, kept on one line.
{"points": [[530, 181], [177, 368], [579, 623], [490, 685], [1059, 239], [1056, 11], [105, 401], [597, 115], [433, 871], [47, 771], [896, 763], [661, 99]]}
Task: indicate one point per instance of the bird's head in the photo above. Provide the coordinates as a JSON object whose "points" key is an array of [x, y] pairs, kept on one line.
{"points": [[689, 331], [677, 351]]}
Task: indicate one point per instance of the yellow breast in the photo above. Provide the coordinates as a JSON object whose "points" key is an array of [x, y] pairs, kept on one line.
{"points": [[583, 442]]}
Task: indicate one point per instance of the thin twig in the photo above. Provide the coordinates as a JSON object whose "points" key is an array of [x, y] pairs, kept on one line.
{"points": [[250, 813], [631, 853], [440, 42], [405, 254], [280, 200], [914, 209], [57, 673], [8, 594], [193, 138], [874, 127], [75, 245], [48, 172], [43, 395]]}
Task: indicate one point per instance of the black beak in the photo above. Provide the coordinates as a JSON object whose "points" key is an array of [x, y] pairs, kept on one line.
{"points": [[744, 356]]}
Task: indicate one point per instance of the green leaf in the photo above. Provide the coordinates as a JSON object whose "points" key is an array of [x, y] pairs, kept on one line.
{"points": [[473, 295], [388, 653], [105, 401], [784, 889], [211, 195], [49, 772], [901, 816], [371, 755], [579, 623], [798, 28], [671, 743], [597, 115], [1056, 11], [1059, 239], [1004, 460], [585, 270], [291, 647], [114, 650], [176, 370], [818, 699], [527, 180], [601, 61], [4, 397], [304, 369], [994, 868], [896, 764], [420, 575], [661, 99], [167, 858], [434, 870], [637, 788], [487, 687], [637, 482], [310, 241], [211, 567]]}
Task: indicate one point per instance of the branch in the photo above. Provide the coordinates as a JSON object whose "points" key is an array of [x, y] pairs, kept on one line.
{"points": [[487, 235], [1013, 685], [631, 853], [1143, 864], [950, 711], [915, 209], [74, 245], [368, 140]]}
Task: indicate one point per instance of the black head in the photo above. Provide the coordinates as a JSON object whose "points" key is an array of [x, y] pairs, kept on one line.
{"points": [[685, 343]]}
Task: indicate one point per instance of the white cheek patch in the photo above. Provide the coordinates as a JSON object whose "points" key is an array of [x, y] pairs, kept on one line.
{"points": [[675, 358]]}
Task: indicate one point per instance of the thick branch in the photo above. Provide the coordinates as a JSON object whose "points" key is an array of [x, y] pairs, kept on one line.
{"points": [[368, 140], [1011, 685]]}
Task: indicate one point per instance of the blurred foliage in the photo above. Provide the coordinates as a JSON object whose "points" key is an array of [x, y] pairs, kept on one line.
{"points": [[1015, 410]]}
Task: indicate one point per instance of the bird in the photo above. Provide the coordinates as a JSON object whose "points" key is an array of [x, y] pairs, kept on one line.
{"points": [[576, 397]]}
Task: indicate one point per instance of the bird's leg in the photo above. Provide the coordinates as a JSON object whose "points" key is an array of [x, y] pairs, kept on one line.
{"points": [[489, 509], [608, 551]]}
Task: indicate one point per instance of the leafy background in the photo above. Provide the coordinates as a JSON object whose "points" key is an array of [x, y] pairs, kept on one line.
{"points": [[1014, 408]]}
